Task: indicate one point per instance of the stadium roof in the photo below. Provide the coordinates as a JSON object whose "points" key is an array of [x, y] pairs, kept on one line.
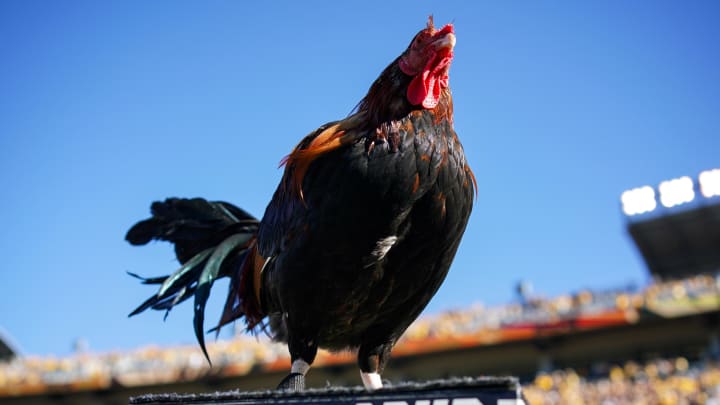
{"points": [[681, 243], [7, 349]]}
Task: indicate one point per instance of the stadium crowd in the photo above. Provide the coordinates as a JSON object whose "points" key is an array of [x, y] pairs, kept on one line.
{"points": [[661, 381]]}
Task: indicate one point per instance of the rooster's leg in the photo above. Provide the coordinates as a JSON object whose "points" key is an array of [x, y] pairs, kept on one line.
{"points": [[302, 354], [372, 359]]}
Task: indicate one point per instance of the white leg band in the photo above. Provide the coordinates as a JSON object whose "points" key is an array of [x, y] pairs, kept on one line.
{"points": [[299, 366], [371, 381]]}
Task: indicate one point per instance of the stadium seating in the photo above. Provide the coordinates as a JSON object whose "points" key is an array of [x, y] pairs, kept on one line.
{"points": [[669, 381]]}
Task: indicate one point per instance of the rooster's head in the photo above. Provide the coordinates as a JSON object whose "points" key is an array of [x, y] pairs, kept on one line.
{"points": [[427, 60]]}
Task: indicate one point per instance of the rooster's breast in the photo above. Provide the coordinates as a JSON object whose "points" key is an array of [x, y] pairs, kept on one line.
{"points": [[374, 237]]}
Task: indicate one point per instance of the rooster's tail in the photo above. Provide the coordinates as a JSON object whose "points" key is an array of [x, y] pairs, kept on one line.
{"points": [[212, 240]]}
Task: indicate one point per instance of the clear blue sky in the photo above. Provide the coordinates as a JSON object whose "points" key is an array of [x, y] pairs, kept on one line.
{"points": [[107, 106]]}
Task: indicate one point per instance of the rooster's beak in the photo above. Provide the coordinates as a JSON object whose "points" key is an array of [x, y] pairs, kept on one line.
{"points": [[447, 41]]}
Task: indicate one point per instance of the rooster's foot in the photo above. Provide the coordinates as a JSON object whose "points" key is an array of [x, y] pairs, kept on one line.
{"points": [[293, 382]]}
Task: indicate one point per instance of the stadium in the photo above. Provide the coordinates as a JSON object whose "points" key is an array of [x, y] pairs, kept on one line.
{"points": [[659, 343]]}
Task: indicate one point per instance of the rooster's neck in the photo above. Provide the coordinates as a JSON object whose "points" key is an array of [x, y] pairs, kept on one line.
{"points": [[386, 101]]}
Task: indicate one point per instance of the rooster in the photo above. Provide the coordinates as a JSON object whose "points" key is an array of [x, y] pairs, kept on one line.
{"points": [[359, 233]]}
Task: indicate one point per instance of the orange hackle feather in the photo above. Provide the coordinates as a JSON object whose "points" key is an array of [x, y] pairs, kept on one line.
{"points": [[298, 161]]}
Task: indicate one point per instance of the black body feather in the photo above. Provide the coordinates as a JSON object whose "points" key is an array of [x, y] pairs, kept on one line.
{"points": [[332, 283]]}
